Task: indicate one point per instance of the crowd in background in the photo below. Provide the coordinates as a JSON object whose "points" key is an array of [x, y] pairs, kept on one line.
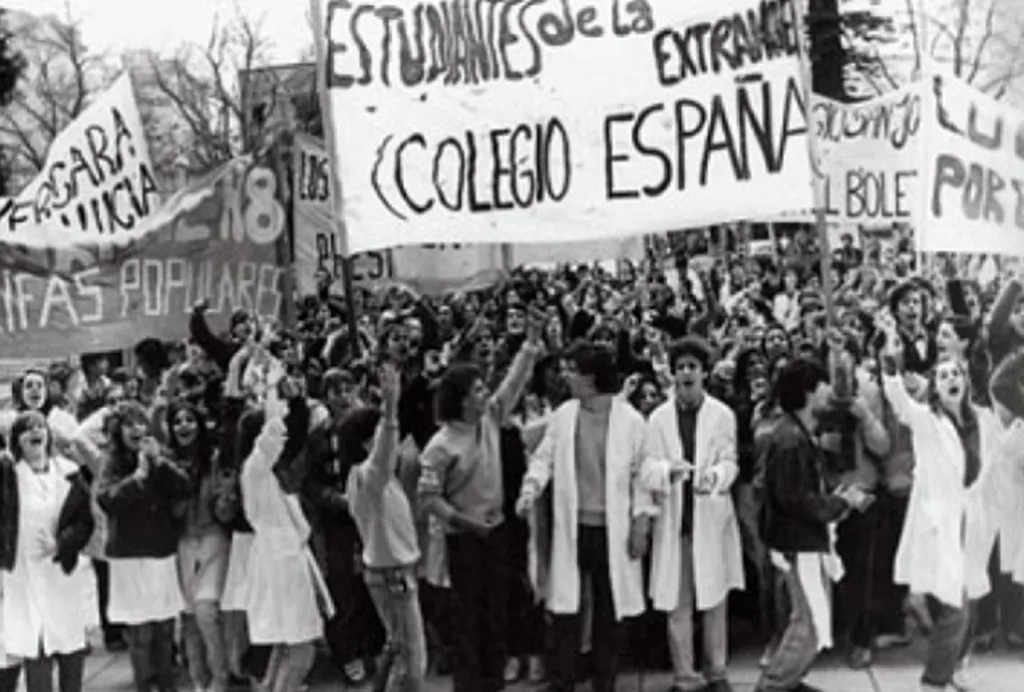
{"points": [[493, 484]]}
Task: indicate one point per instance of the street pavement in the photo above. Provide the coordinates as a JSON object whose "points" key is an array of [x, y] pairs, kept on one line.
{"points": [[893, 671]]}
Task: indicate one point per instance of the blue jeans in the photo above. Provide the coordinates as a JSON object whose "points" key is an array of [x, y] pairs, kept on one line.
{"points": [[799, 644], [395, 597]]}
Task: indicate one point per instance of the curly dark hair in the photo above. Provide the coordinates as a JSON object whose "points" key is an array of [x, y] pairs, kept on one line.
{"points": [[123, 460], [199, 459], [455, 386]]}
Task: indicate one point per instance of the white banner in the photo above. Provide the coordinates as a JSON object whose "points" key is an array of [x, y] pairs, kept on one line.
{"points": [[973, 194], [870, 154], [553, 121], [431, 269], [97, 185]]}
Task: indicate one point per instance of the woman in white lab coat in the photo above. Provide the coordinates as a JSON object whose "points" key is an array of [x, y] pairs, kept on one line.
{"points": [[954, 502], [285, 599], [46, 522]]}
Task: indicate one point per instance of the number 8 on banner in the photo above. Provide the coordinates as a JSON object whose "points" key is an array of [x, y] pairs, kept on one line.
{"points": [[264, 216]]}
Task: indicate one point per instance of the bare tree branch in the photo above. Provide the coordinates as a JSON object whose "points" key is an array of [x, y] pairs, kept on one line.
{"points": [[200, 90], [56, 89], [27, 149], [984, 41]]}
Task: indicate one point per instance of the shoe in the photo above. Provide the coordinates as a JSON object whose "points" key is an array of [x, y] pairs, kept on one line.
{"points": [[536, 674], [804, 687], [1014, 641], [355, 672], [962, 681], [513, 668], [860, 658], [718, 686]]}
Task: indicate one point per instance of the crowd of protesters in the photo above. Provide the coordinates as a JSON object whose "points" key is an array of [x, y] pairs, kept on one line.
{"points": [[514, 483]]}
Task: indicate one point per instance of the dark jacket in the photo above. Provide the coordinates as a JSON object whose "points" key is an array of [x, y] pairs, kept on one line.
{"points": [[797, 507], [75, 523], [142, 518], [324, 489], [913, 360]]}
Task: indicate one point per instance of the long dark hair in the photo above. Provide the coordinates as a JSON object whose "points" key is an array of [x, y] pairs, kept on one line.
{"points": [[199, 462], [967, 414], [123, 460]]}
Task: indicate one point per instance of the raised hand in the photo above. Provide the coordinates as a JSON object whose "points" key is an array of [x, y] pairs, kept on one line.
{"points": [[535, 326], [390, 385]]}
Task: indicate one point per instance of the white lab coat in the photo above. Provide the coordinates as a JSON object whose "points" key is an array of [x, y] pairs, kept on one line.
{"points": [[555, 462], [717, 552], [1010, 482], [41, 603], [949, 529], [284, 589]]}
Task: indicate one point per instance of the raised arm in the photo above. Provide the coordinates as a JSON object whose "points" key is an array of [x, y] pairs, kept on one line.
{"points": [[999, 321], [906, 410], [504, 400], [272, 437], [380, 467], [219, 351], [868, 409]]}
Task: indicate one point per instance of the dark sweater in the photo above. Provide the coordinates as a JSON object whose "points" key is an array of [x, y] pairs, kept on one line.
{"points": [[797, 507], [142, 521]]}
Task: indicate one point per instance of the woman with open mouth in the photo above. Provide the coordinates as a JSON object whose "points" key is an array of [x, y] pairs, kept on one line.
{"points": [[31, 392], [202, 549], [45, 522], [139, 491], [959, 487]]}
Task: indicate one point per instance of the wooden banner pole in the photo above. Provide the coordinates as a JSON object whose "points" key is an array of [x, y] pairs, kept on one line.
{"points": [[820, 218], [337, 220]]}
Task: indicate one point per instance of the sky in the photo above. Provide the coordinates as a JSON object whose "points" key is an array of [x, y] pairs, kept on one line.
{"points": [[163, 25]]}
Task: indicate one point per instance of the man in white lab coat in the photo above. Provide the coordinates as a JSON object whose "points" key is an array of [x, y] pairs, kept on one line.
{"points": [[690, 465]]}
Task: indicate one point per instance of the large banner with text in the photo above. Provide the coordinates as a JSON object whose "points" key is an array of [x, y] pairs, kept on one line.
{"points": [[869, 155], [432, 268], [221, 238], [973, 189], [553, 121], [97, 185]]}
